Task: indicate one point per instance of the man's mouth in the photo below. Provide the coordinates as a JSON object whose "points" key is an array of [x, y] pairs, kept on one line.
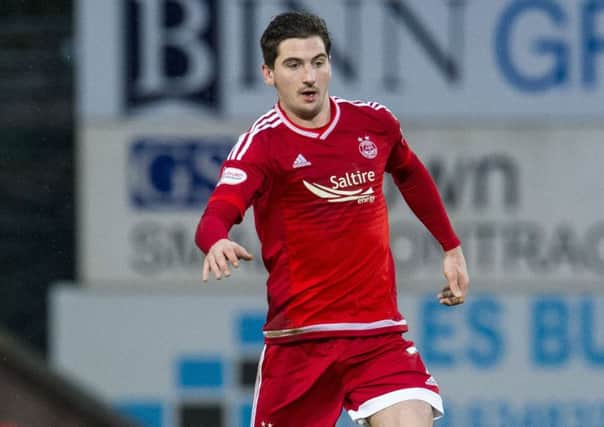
{"points": [[309, 95]]}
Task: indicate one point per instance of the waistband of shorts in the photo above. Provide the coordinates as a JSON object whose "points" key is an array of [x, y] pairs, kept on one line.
{"points": [[326, 330]]}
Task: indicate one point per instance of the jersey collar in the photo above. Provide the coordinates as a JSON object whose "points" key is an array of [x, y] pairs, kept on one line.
{"points": [[323, 133]]}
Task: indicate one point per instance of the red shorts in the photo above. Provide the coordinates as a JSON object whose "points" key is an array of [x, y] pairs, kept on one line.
{"points": [[308, 383]]}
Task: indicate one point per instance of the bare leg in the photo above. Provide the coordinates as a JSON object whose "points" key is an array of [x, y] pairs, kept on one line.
{"points": [[410, 413]]}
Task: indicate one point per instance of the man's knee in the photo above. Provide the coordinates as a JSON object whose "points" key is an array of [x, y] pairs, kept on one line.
{"points": [[409, 413]]}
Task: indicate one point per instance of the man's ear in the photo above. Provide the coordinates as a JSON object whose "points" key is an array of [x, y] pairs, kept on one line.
{"points": [[268, 74]]}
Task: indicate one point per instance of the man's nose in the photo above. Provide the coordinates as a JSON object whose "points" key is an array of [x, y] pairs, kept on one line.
{"points": [[309, 74]]}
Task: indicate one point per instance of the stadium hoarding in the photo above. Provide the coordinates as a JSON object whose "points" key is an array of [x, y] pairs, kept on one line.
{"points": [[520, 360], [526, 202], [523, 59], [141, 191]]}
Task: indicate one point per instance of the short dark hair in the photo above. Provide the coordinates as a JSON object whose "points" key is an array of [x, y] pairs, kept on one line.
{"points": [[291, 25]]}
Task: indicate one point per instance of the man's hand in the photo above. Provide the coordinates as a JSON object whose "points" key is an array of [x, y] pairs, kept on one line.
{"points": [[219, 256], [456, 273]]}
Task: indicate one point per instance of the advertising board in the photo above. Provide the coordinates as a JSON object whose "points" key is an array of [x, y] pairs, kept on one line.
{"points": [[527, 204], [501, 360], [428, 60]]}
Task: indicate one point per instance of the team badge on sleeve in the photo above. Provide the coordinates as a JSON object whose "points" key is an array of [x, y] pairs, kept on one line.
{"points": [[367, 148], [232, 176]]}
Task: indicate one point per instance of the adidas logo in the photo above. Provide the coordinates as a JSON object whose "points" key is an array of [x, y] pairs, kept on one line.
{"points": [[300, 162], [431, 381]]}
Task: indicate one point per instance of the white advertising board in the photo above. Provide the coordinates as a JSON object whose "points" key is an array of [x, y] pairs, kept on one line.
{"points": [[425, 59], [528, 204], [521, 360]]}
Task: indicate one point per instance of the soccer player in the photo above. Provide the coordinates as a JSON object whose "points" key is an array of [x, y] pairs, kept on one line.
{"points": [[312, 167]]}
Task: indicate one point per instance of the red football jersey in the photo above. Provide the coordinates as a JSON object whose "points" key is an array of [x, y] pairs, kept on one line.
{"points": [[322, 219]]}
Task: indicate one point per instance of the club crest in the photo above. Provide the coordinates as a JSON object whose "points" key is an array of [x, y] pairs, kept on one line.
{"points": [[367, 148]]}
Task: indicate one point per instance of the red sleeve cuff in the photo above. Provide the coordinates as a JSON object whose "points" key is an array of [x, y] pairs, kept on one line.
{"points": [[454, 242], [215, 224]]}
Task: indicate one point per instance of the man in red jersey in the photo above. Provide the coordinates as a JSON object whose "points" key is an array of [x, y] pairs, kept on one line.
{"points": [[313, 167]]}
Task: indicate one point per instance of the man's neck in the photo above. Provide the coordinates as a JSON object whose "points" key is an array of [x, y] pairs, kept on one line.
{"points": [[318, 121]]}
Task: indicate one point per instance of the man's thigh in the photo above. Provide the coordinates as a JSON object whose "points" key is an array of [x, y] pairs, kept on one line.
{"points": [[387, 371], [409, 413], [297, 385]]}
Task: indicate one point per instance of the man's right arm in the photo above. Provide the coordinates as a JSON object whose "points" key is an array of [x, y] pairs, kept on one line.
{"points": [[217, 260], [243, 178], [215, 223], [212, 238]]}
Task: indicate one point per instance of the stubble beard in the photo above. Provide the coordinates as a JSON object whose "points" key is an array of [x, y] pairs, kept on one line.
{"points": [[309, 114]]}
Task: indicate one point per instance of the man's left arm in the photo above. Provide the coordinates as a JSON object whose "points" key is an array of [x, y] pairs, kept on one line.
{"points": [[421, 195], [458, 280]]}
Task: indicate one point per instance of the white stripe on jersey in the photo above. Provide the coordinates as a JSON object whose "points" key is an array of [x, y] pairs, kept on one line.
{"points": [[272, 124], [242, 137], [236, 146], [292, 127], [327, 327], [245, 138], [257, 388], [375, 105], [333, 125], [268, 116], [309, 133]]}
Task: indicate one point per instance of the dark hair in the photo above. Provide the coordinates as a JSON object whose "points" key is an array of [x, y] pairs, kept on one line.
{"points": [[291, 25]]}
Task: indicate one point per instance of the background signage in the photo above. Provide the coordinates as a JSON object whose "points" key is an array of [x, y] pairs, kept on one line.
{"points": [[522, 360], [442, 59], [526, 211]]}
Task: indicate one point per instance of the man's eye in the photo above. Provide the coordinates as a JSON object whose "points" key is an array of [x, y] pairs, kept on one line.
{"points": [[292, 65]]}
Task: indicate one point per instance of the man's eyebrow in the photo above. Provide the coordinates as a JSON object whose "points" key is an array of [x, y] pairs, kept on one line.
{"points": [[293, 58]]}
